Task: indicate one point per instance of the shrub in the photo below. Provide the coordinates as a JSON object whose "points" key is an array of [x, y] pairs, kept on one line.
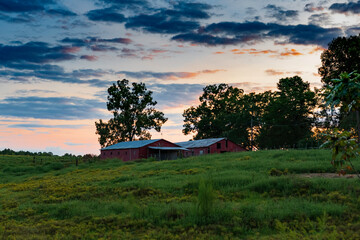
{"points": [[206, 198]]}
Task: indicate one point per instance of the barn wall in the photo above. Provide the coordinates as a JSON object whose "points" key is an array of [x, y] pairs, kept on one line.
{"points": [[231, 147], [134, 153], [123, 154]]}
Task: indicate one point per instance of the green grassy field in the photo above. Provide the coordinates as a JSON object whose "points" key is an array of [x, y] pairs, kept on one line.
{"points": [[222, 196]]}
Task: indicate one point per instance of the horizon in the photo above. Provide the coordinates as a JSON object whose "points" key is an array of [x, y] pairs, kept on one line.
{"points": [[59, 57]]}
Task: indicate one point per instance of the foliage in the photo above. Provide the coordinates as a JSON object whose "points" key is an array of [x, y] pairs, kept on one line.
{"points": [[288, 117], [134, 114], [344, 145], [205, 199], [110, 199], [344, 91], [225, 111], [342, 55], [8, 151]]}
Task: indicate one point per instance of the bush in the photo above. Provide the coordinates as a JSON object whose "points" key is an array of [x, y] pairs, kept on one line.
{"points": [[206, 198]]}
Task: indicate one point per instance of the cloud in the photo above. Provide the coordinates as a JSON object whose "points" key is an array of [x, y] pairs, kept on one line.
{"points": [[319, 19], [160, 23], [97, 44], [106, 15], [273, 72], [89, 57], [32, 126], [232, 33], [280, 14], [127, 4], [166, 75], [181, 17], [352, 31], [175, 95], [24, 6], [20, 7], [290, 52], [34, 52], [311, 7], [51, 108], [346, 8], [28, 73]]}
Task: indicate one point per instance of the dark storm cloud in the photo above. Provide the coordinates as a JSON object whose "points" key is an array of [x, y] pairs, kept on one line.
{"points": [[351, 7], [229, 33], [106, 15], [34, 52], [51, 108], [281, 14]]}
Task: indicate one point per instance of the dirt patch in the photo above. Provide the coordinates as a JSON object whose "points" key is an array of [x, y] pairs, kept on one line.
{"points": [[326, 175]]}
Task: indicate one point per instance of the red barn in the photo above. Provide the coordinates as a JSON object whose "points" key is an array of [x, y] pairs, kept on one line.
{"points": [[209, 146], [128, 151]]}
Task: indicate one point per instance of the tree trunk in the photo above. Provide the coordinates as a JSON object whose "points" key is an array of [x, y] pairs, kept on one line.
{"points": [[358, 124]]}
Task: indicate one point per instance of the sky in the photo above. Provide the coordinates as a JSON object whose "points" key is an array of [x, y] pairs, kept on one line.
{"points": [[58, 57]]}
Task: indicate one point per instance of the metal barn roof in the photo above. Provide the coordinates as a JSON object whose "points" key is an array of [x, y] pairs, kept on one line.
{"points": [[132, 144], [199, 143], [169, 148]]}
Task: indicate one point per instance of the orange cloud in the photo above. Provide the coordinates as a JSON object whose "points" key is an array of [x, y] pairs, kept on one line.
{"points": [[273, 72], [316, 49], [71, 49], [218, 52], [291, 52]]}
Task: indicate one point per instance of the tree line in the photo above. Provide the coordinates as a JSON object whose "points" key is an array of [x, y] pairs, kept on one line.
{"points": [[292, 116]]}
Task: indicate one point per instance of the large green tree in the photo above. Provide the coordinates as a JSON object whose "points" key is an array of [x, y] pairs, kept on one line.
{"points": [[224, 111], [287, 118], [133, 114], [342, 55]]}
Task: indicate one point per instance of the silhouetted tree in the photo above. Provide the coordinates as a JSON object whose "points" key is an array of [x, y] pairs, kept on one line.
{"points": [[287, 118], [134, 114], [342, 55]]}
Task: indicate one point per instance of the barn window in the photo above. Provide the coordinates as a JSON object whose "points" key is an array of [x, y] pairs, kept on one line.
{"points": [[118, 153], [208, 150], [110, 153], [226, 143], [125, 153], [201, 152], [218, 145], [192, 152]]}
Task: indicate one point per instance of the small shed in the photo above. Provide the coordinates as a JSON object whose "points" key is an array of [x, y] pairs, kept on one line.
{"points": [[209, 146], [128, 151]]}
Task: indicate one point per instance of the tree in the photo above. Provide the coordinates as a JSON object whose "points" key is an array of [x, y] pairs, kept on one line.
{"points": [[225, 111], [214, 117], [342, 55], [287, 118], [134, 114], [345, 92]]}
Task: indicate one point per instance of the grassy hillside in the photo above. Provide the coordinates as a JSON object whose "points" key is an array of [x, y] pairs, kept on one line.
{"points": [[222, 196]]}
